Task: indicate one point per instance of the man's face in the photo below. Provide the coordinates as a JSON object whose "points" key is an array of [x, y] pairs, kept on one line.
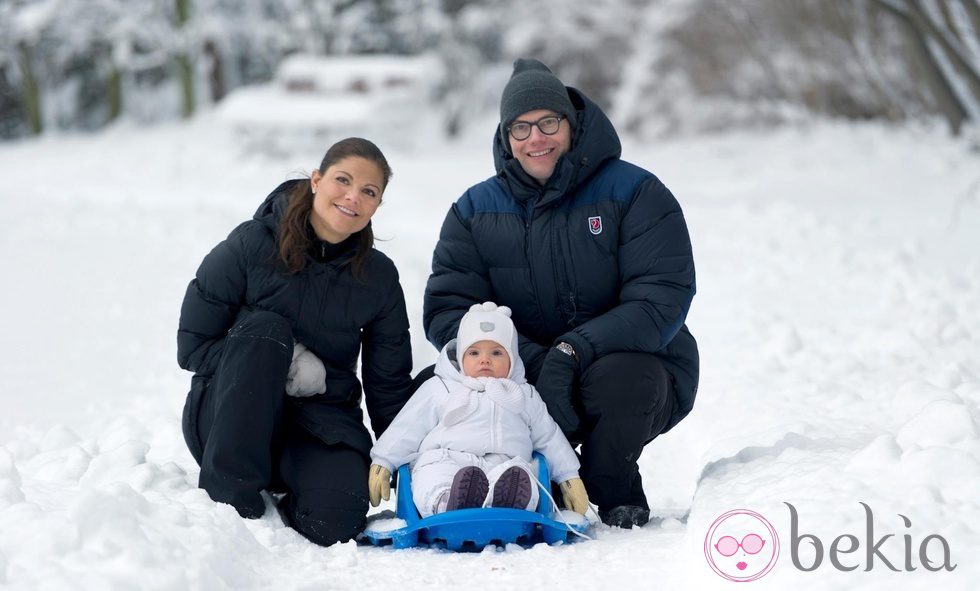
{"points": [[539, 153]]}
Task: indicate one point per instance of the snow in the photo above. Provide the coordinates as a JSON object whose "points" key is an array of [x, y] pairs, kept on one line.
{"points": [[284, 107], [837, 318], [367, 73], [386, 525], [344, 92]]}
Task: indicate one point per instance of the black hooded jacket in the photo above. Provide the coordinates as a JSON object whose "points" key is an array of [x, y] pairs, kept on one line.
{"points": [[335, 315], [599, 257]]}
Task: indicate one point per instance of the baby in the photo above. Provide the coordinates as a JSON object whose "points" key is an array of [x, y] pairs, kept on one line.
{"points": [[469, 432]]}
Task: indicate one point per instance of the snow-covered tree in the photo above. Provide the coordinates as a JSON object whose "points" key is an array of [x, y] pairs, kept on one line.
{"points": [[944, 36], [656, 65], [720, 64], [586, 42]]}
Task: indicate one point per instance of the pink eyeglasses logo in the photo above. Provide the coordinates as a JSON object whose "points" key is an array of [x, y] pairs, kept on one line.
{"points": [[741, 546]]}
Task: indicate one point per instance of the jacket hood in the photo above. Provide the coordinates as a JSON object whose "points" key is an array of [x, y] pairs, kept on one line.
{"points": [[274, 206], [448, 368], [594, 141]]}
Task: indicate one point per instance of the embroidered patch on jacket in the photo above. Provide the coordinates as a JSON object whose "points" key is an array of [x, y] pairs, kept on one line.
{"points": [[595, 224]]}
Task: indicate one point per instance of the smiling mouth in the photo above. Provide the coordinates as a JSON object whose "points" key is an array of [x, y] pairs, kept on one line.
{"points": [[345, 211], [540, 153]]}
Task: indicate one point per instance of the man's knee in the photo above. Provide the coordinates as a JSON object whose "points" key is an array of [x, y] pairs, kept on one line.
{"points": [[626, 383]]}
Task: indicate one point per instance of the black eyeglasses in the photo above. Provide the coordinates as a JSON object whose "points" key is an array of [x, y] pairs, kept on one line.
{"points": [[521, 130]]}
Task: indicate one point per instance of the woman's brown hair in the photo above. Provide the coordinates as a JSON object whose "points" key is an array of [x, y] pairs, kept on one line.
{"points": [[295, 235]]}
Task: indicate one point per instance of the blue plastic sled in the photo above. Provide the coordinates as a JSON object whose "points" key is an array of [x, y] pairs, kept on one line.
{"points": [[474, 529]]}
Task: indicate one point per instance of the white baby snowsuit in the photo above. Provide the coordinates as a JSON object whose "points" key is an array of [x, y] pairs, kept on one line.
{"points": [[454, 421]]}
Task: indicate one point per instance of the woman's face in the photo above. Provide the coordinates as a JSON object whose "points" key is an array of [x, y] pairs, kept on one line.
{"points": [[345, 197]]}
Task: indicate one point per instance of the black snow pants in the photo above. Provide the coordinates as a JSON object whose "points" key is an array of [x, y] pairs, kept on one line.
{"points": [[239, 429], [625, 400]]}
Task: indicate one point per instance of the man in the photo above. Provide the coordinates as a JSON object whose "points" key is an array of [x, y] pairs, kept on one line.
{"points": [[593, 256]]}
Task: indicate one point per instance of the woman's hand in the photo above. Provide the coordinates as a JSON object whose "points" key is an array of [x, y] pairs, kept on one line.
{"points": [[379, 484], [576, 498], [306, 376]]}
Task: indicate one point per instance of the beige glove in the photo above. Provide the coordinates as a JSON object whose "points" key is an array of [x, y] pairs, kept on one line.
{"points": [[379, 484], [576, 498]]}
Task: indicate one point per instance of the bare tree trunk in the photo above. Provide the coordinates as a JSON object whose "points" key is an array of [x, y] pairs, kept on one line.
{"points": [[216, 71], [748, 39], [185, 69], [948, 20], [966, 23], [954, 53], [32, 94], [114, 92], [972, 9], [947, 101], [862, 54]]}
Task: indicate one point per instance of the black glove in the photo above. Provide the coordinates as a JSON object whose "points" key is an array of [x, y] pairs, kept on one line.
{"points": [[559, 375], [532, 365]]}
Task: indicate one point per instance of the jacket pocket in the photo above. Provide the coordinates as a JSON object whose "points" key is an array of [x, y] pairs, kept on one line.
{"points": [[342, 390], [332, 424]]}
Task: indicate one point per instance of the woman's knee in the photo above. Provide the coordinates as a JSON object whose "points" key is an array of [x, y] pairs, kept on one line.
{"points": [[259, 339], [327, 498], [263, 324]]}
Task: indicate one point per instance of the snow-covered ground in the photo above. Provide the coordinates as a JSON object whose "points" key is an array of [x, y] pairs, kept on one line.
{"points": [[838, 316]]}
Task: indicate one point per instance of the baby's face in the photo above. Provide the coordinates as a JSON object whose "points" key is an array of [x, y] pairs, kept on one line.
{"points": [[486, 359]]}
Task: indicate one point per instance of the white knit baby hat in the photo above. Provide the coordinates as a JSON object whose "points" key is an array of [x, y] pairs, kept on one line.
{"points": [[487, 322]]}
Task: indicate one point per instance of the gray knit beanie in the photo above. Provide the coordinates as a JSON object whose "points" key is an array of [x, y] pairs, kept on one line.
{"points": [[533, 86]]}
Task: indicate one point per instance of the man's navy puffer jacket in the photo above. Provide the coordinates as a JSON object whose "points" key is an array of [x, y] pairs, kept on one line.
{"points": [[599, 257]]}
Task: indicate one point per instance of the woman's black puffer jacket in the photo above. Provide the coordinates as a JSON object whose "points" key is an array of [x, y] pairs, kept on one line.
{"points": [[334, 314]]}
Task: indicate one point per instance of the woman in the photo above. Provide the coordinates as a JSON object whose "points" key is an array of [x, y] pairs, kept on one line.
{"points": [[272, 325]]}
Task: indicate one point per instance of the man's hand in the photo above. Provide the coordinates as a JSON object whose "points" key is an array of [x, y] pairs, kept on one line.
{"points": [[559, 374], [379, 484]]}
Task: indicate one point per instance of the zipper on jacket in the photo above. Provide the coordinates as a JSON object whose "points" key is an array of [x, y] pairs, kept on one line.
{"points": [[528, 214], [493, 426], [564, 250], [527, 254], [560, 268], [529, 210], [320, 306]]}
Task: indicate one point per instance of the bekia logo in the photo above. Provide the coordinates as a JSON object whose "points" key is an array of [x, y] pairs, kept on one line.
{"points": [[595, 224], [742, 546], [874, 547]]}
